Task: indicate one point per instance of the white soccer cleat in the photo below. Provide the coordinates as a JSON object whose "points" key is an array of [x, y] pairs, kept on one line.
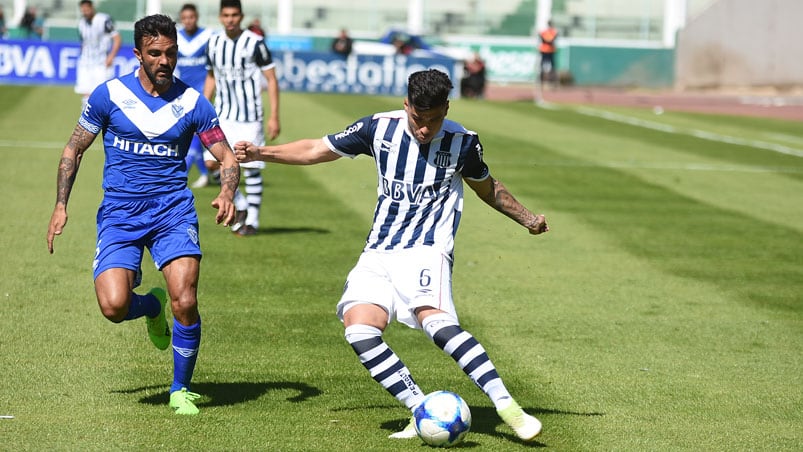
{"points": [[526, 427], [202, 181], [408, 432]]}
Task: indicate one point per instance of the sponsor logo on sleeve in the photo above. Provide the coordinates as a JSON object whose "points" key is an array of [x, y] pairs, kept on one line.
{"points": [[352, 129]]}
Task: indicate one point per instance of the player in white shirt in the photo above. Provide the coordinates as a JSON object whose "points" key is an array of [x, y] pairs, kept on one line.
{"points": [[238, 61], [405, 270], [100, 43]]}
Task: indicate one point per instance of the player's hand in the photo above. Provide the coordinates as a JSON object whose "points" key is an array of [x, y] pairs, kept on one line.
{"points": [[538, 226], [245, 151], [273, 128], [225, 210], [57, 222]]}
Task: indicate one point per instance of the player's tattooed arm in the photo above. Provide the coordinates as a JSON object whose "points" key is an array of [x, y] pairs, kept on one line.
{"points": [[79, 142], [495, 194], [230, 178]]}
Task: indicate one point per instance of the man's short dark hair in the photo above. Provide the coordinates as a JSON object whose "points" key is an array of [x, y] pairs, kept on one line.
{"points": [[428, 89], [85, 2], [231, 4], [189, 7], [154, 26]]}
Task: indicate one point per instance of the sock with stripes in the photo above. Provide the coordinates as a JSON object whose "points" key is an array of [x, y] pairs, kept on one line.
{"points": [[469, 354], [186, 341], [253, 194], [385, 367]]}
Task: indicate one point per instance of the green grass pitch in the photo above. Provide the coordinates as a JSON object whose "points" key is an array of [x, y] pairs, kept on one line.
{"points": [[663, 311]]}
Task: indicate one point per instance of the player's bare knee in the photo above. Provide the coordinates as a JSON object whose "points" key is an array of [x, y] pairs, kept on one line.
{"points": [[115, 312], [183, 305], [365, 314]]}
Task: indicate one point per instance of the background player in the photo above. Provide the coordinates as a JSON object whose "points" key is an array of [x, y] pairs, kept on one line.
{"points": [[405, 269], [191, 69], [239, 59], [148, 119], [100, 43]]}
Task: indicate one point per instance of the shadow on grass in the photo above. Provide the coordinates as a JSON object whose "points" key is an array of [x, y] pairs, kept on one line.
{"points": [[484, 420], [226, 394]]}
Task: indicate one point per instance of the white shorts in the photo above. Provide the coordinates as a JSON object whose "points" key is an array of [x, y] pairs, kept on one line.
{"points": [[89, 77], [400, 282], [242, 131]]}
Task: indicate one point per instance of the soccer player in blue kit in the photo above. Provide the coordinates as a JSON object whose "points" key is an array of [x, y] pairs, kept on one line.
{"points": [[405, 270], [147, 119], [191, 69]]}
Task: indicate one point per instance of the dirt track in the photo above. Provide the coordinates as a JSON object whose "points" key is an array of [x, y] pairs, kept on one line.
{"points": [[770, 105]]}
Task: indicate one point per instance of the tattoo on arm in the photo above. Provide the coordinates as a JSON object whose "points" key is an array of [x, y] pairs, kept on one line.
{"points": [[504, 202], [230, 178], [81, 139], [70, 161]]}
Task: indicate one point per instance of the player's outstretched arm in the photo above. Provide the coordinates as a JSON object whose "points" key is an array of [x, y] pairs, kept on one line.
{"points": [[79, 142], [229, 180], [496, 195], [301, 152]]}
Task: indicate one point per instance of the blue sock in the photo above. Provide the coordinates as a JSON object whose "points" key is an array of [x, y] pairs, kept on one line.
{"points": [[186, 340], [142, 305]]}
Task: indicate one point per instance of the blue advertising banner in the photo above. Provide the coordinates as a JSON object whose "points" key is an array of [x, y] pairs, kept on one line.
{"points": [[50, 63], [53, 63]]}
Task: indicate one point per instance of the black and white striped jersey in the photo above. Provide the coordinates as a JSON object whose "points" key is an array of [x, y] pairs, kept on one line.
{"points": [[420, 186], [237, 66]]}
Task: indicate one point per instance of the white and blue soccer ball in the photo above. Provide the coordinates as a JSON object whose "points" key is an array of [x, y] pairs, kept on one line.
{"points": [[442, 419]]}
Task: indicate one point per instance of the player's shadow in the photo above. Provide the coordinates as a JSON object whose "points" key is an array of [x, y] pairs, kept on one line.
{"points": [[485, 420], [297, 230], [227, 394]]}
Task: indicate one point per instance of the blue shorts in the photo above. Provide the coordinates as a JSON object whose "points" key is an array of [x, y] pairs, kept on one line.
{"points": [[167, 225]]}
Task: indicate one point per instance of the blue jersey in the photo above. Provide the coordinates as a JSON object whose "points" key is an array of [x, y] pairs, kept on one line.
{"points": [[192, 67], [145, 138], [420, 189]]}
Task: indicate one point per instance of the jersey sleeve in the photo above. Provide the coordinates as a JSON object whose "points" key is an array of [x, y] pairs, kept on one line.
{"points": [[474, 167], [353, 141], [95, 115], [108, 26], [207, 125], [262, 56]]}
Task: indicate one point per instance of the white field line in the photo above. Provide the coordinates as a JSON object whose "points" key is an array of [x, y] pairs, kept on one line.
{"points": [[31, 144], [693, 132]]}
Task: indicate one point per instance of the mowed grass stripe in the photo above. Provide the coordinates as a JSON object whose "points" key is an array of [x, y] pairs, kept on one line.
{"points": [[756, 194], [724, 152]]}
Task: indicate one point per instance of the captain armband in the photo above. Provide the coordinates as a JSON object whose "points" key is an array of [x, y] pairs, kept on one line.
{"points": [[211, 136]]}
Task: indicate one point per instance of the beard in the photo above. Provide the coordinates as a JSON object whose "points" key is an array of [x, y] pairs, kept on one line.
{"points": [[156, 81]]}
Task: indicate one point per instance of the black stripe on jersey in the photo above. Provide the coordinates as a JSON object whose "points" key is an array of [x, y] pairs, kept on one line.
{"points": [[439, 205], [393, 208]]}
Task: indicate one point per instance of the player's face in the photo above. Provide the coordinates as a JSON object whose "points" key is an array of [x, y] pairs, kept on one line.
{"points": [[189, 19], [87, 11], [231, 18], [424, 125], [158, 59]]}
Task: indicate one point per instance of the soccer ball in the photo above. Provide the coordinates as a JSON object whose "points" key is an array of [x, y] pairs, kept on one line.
{"points": [[442, 419]]}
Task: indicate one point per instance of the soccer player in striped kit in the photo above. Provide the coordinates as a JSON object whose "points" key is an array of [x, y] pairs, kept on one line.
{"points": [[147, 119], [100, 43], [238, 61], [405, 269]]}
